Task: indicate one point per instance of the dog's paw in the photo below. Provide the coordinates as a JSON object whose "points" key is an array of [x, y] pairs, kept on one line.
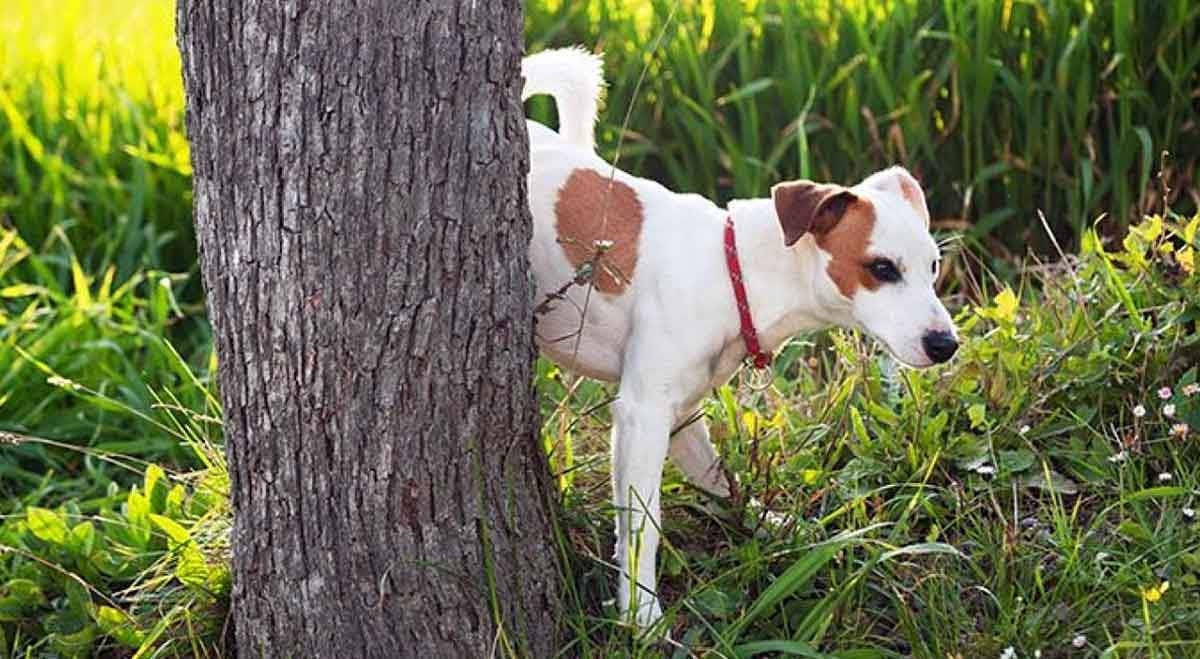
{"points": [[769, 521]]}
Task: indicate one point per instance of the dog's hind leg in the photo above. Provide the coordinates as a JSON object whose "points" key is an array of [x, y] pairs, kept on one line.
{"points": [[693, 453]]}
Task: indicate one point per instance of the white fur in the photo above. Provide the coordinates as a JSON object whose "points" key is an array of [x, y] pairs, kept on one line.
{"points": [[674, 332], [575, 78]]}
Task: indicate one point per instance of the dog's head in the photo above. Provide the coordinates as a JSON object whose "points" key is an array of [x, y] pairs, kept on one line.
{"points": [[877, 260]]}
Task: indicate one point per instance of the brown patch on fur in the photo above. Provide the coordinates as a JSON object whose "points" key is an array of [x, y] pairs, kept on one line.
{"points": [[592, 208], [846, 241], [913, 195]]}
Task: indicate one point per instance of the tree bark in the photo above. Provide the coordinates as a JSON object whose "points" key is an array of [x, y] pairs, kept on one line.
{"points": [[361, 210]]}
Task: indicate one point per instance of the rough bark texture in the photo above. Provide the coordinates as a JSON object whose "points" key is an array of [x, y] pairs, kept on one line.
{"points": [[360, 203]]}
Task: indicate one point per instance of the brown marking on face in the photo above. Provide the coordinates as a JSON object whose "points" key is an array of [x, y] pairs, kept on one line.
{"points": [[592, 208], [913, 195], [846, 242]]}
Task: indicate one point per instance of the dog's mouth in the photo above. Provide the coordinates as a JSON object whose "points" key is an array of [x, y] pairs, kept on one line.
{"points": [[892, 352]]}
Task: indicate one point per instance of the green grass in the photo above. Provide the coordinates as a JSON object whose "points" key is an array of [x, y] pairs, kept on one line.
{"points": [[91, 133], [1010, 499], [98, 266]]}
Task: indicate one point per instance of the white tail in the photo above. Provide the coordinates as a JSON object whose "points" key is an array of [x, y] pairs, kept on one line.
{"points": [[575, 78]]}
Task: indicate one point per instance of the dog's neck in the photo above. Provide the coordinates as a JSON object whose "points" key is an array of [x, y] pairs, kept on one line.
{"points": [[781, 282]]}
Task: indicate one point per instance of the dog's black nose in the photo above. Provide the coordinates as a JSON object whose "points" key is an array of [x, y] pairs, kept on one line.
{"points": [[940, 346]]}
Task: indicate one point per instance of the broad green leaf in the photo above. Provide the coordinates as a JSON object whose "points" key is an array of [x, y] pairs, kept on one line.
{"points": [[47, 525], [119, 625], [175, 499], [716, 603], [77, 644], [174, 531], [978, 415], [137, 510], [191, 569], [18, 599], [882, 414], [79, 598], [83, 538], [155, 488], [1051, 481], [1131, 529], [1015, 460]]}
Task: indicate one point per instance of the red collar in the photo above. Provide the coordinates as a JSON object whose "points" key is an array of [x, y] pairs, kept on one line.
{"points": [[759, 358]]}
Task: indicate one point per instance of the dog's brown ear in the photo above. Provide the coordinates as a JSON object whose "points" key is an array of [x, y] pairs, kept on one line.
{"points": [[807, 207]]}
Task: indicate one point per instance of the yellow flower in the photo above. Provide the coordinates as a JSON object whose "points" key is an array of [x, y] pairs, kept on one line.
{"points": [[750, 420], [778, 420], [1006, 305], [1155, 593]]}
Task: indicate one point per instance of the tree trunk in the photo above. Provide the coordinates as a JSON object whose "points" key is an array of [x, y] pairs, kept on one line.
{"points": [[361, 209]]}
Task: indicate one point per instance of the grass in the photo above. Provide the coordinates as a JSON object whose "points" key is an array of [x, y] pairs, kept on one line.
{"points": [[91, 138], [1012, 499], [97, 256]]}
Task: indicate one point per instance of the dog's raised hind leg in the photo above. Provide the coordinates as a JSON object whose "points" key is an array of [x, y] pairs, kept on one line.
{"points": [[694, 454]]}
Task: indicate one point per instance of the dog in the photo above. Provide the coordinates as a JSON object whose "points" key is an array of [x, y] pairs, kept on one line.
{"points": [[640, 286]]}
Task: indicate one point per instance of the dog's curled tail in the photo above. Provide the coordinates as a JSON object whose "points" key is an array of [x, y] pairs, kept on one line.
{"points": [[575, 78]]}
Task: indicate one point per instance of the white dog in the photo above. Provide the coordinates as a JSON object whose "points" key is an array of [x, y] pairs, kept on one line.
{"points": [[641, 286]]}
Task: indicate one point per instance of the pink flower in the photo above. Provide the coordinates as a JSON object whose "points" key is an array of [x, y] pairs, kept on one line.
{"points": [[1164, 393]]}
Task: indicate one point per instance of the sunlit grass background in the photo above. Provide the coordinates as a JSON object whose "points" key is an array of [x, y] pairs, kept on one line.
{"points": [[1015, 499]]}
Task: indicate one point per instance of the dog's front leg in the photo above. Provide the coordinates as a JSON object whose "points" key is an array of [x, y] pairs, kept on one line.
{"points": [[641, 429]]}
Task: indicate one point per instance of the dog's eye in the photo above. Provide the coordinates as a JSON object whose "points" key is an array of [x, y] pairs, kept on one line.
{"points": [[884, 270], [933, 268]]}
